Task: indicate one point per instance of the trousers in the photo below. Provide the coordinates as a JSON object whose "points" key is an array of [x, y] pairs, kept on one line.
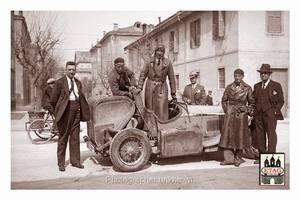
{"points": [[69, 128], [265, 125]]}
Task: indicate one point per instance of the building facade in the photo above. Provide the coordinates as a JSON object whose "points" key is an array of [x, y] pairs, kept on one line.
{"points": [[215, 43], [109, 48], [20, 83]]}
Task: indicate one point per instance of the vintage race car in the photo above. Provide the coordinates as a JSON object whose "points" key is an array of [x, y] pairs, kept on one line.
{"points": [[129, 133]]}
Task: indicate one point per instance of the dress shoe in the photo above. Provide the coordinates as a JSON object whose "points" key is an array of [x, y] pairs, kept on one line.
{"points": [[226, 163], [61, 168], [237, 164], [239, 160], [78, 165], [256, 162]]}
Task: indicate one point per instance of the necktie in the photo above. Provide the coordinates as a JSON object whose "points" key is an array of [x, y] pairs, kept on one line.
{"points": [[264, 86], [72, 89], [158, 62]]}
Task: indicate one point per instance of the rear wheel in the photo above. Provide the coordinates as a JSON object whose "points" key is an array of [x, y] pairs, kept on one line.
{"points": [[40, 132], [130, 150]]}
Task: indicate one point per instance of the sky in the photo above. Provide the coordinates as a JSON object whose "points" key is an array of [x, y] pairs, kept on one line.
{"points": [[81, 29]]}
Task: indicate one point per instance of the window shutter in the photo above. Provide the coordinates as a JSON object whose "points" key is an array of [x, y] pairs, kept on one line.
{"points": [[274, 21], [221, 24], [176, 41], [215, 25], [198, 35], [192, 34], [171, 41]]}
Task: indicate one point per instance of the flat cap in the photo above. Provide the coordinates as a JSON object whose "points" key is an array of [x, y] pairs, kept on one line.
{"points": [[50, 80], [239, 71], [119, 60]]}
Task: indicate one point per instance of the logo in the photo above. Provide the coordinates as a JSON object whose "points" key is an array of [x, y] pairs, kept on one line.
{"points": [[271, 169]]}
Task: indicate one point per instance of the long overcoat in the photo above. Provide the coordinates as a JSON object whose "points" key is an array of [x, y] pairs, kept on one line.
{"points": [[237, 104], [156, 88]]}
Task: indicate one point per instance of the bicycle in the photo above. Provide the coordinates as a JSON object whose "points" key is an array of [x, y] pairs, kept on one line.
{"points": [[41, 131]]}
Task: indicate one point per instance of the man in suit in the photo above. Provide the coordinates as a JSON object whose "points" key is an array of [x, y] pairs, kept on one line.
{"points": [[194, 93], [47, 95], [70, 107], [269, 100]]}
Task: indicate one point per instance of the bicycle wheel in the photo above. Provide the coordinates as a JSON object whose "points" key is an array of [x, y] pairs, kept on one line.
{"points": [[40, 132]]}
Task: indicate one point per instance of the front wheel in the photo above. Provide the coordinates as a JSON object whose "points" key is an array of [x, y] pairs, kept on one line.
{"points": [[130, 150]]}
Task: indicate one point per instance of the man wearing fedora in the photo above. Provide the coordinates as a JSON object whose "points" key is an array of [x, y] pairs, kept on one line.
{"points": [[268, 96], [194, 93]]}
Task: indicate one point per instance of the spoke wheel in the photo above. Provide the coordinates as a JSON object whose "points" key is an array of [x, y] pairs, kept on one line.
{"points": [[40, 132], [130, 150]]}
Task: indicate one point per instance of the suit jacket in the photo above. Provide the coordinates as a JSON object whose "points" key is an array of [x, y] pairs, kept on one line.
{"points": [[46, 99], [275, 94], [60, 99], [198, 92]]}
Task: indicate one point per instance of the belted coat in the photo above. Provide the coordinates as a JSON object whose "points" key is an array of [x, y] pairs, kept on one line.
{"points": [[156, 88], [237, 103]]}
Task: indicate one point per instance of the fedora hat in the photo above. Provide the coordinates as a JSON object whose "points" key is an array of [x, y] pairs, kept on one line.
{"points": [[265, 68], [193, 74]]}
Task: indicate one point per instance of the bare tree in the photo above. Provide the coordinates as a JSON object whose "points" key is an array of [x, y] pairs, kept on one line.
{"points": [[39, 58], [103, 75]]}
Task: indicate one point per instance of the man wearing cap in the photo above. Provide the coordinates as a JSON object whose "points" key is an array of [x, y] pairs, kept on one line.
{"points": [[237, 103], [47, 95], [268, 96], [157, 69], [194, 93], [121, 79], [70, 108]]}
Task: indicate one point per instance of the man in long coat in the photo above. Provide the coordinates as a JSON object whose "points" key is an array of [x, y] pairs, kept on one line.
{"points": [[70, 107], [237, 103], [156, 90], [194, 93]]}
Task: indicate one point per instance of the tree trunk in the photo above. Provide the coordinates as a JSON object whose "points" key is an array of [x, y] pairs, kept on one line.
{"points": [[36, 98]]}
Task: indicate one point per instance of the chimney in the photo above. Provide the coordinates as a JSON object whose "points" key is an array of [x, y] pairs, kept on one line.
{"points": [[159, 20], [115, 26], [144, 28], [104, 33]]}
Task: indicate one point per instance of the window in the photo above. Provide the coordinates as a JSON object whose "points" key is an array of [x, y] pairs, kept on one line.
{"points": [[138, 59], [218, 25], [177, 82], [195, 31], [274, 23], [221, 78], [174, 41], [96, 74]]}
